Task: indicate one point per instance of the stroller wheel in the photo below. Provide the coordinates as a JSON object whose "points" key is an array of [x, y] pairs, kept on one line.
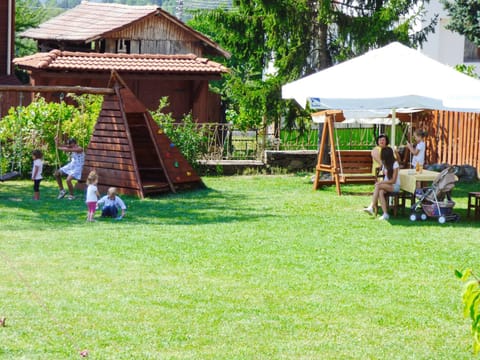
{"points": [[423, 217], [413, 217], [442, 219]]}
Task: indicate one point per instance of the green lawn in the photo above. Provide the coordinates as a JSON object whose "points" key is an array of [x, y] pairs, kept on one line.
{"points": [[257, 267]]}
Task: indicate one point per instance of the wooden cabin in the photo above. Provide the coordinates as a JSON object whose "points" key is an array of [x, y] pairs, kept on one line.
{"points": [[183, 78], [88, 47], [121, 29]]}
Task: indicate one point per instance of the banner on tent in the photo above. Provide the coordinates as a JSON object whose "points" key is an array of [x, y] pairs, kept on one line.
{"points": [[315, 103]]}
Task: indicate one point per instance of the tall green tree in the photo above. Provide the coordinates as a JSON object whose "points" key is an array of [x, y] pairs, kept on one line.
{"points": [[464, 18], [28, 14], [296, 38]]}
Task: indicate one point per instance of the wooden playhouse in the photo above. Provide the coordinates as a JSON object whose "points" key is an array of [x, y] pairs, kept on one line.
{"points": [[129, 151]]}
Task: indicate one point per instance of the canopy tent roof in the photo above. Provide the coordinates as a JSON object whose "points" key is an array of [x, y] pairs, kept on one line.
{"points": [[391, 77]]}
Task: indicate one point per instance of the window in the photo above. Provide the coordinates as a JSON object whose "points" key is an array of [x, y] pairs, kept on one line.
{"points": [[471, 52], [123, 46]]}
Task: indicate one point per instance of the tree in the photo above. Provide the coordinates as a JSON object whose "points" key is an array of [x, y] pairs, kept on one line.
{"points": [[299, 37], [464, 18], [28, 14]]}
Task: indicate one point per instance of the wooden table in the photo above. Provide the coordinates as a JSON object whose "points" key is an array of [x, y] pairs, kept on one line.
{"points": [[409, 178]]}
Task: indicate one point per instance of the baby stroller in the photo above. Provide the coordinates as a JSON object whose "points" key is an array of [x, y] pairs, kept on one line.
{"points": [[435, 201]]}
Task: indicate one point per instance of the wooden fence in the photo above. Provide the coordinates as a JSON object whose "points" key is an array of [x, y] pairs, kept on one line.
{"points": [[453, 137]]}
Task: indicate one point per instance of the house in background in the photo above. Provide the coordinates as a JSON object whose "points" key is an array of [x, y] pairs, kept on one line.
{"points": [[155, 53], [116, 28], [446, 46]]}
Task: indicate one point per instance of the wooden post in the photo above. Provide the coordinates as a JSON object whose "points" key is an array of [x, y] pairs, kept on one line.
{"points": [[332, 168], [60, 89]]}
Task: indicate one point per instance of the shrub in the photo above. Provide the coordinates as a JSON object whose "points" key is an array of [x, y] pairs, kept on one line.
{"points": [[35, 126], [188, 136]]}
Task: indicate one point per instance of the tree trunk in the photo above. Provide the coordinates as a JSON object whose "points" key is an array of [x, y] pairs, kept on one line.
{"points": [[319, 55]]}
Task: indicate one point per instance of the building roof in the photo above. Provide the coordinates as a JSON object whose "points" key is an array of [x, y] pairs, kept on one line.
{"points": [[99, 62], [90, 21]]}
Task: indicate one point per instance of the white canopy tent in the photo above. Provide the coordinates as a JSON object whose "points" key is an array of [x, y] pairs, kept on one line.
{"points": [[391, 77], [388, 79]]}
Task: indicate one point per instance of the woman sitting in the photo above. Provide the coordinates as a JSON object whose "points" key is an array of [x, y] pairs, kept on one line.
{"points": [[390, 183], [381, 143]]}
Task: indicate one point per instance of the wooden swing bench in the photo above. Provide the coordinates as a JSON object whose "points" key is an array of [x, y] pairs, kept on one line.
{"points": [[349, 167], [355, 166], [345, 166]]}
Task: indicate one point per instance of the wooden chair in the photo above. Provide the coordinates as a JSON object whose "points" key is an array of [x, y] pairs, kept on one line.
{"points": [[398, 201], [473, 203]]}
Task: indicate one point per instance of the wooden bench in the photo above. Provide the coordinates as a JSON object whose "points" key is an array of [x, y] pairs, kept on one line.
{"points": [[355, 166], [348, 167]]}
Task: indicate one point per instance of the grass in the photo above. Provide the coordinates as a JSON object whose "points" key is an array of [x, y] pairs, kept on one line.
{"points": [[254, 267]]}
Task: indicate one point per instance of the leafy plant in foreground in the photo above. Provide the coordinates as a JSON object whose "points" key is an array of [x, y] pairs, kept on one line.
{"points": [[471, 303]]}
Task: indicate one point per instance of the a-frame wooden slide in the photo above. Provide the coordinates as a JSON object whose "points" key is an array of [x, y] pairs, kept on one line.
{"points": [[129, 151]]}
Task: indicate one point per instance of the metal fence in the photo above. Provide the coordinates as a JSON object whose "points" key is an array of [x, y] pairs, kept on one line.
{"points": [[227, 142]]}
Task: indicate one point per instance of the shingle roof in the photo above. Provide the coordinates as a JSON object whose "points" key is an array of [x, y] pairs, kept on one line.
{"points": [[90, 21], [99, 62]]}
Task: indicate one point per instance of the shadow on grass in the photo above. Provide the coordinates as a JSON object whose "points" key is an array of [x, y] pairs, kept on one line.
{"points": [[194, 207]]}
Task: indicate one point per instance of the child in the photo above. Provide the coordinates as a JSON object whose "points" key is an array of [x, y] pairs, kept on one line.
{"points": [[418, 151], [111, 203], [37, 173], [72, 170], [92, 194]]}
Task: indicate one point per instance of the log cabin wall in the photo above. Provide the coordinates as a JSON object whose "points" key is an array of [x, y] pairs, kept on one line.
{"points": [[185, 95], [153, 35]]}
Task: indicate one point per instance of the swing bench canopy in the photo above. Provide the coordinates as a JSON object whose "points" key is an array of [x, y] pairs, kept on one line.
{"points": [[356, 121]]}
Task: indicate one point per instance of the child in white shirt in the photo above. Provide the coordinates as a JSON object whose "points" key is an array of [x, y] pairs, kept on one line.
{"points": [[111, 204], [418, 151], [37, 170]]}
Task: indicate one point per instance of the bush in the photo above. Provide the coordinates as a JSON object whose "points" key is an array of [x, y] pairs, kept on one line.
{"points": [[35, 126], [188, 136]]}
